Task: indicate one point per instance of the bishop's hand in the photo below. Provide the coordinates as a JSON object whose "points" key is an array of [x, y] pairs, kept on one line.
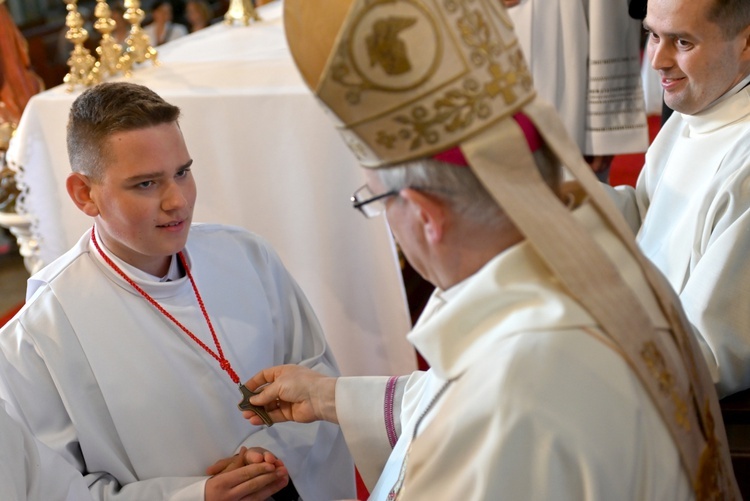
{"points": [[293, 393]]}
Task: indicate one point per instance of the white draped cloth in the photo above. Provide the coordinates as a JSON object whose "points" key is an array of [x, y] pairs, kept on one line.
{"points": [[536, 407], [108, 382], [691, 208], [31, 471], [584, 57]]}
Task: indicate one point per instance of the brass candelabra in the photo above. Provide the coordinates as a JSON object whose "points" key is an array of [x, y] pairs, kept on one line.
{"points": [[138, 46], [9, 191], [80, 62], [109, 51], [113, 58], [241, 10]]}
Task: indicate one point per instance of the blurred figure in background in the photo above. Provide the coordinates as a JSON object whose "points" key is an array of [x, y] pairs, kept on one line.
{"points": [[198, 14], [162, 29], [122, 27], [585, 61]]}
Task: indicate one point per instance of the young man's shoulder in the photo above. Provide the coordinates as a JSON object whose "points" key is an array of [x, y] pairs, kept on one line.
{"points": [[60, 267]]}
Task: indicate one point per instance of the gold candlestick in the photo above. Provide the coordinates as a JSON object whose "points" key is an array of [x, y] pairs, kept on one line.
{"points": [[139, 47], [109, 50], [9, 191], [241, 10], [81, 62]]}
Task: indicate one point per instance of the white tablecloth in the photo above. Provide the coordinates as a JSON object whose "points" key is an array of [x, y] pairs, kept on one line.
{"points": [[267, 158]]}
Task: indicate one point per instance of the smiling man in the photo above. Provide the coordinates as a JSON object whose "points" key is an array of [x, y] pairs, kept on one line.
{"points": [[127, 356], [690, 205]]}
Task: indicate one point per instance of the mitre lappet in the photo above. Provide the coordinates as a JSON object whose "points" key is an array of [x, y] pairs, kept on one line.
{"points": [[410, 79]]}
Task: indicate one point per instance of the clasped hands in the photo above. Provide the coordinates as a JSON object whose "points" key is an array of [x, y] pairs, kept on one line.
{"points": [[253, 474]]}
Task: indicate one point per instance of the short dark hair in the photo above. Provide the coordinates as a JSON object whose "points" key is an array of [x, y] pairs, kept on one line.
{"points": [[159, 3], [732, 16], [108, 108]]}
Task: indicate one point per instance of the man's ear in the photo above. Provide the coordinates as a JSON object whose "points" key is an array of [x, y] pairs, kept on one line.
{"points": [[430, 211], [79, 189]]}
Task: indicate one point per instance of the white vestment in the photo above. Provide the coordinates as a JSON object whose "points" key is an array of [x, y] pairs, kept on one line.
{"points": [[691, 209], [538, 407], [31, 471], [584, 56], [107, 381]]}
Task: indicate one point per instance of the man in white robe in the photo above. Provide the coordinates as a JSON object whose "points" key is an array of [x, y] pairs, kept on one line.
{"points": [[127, 356], [537, 387], [584, 57], [30, 471], [691, 203]]}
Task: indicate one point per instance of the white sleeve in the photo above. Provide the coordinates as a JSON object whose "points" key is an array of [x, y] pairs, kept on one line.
{"points": [[719, 280], [30, 470], [364, 413], [626, 201], [371, 411]]}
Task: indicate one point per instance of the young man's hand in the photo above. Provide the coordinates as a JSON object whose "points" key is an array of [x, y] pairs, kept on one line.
{"points": [[245, 456], [250, 475]]}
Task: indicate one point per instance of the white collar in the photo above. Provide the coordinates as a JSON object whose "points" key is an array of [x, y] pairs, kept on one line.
{"points": [[731, 92], [173, 273], [730, 108]]}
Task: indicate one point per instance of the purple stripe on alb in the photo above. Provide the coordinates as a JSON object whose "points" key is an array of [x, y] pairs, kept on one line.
{"points": [[390, 396]]}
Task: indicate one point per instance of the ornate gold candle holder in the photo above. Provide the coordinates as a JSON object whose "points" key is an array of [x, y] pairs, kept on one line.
{"points": [[109, 51], [9, 191], [138, 46], [81, 62], [241, 10]]}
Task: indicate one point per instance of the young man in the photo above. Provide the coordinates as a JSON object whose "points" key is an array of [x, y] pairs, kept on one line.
{"points": [[691, 204], [127, 355], [560, 364]]}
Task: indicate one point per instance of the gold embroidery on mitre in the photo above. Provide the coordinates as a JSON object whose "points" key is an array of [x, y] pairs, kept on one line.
{"points": [[384, 46], [378, 49], [459, 107], [658, 367]]}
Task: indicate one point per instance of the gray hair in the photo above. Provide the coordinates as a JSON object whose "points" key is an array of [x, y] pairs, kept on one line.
{"points": [[459, 187]]}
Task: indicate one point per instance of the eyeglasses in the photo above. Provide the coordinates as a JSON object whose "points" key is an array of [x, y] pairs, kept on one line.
{"points": [[369, 204]]}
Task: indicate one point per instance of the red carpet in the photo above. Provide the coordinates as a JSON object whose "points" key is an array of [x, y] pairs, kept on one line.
{"points": [[9, 314]]}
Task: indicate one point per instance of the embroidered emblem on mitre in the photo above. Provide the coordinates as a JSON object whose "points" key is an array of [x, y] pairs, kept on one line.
{"points": [[409, 78]]}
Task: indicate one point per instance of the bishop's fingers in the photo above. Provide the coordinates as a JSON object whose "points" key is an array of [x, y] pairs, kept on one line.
{"points": [[245, 405]]}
